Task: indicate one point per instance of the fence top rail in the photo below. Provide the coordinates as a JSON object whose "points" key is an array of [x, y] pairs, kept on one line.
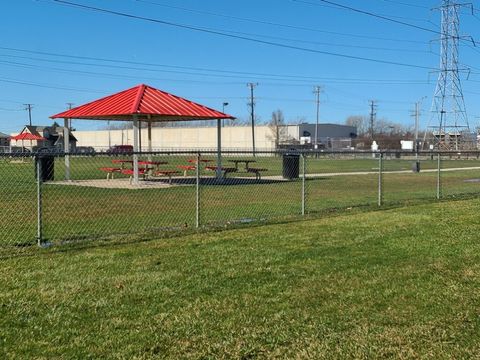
{"points": [[210, 152]]}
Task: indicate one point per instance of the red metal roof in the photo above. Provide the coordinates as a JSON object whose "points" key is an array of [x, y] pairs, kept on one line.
{"points": [[146, 102], [27, 136]]}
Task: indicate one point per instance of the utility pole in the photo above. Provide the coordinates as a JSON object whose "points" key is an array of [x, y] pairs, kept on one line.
{"points": [[373, 116], [416, 114], [70, 106], [252, 87], [29, 107], [317, 90]]}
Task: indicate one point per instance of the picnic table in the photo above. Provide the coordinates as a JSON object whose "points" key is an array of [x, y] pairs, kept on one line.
{"points": [[149, 168], [155, 164], [242, 161], [248, 169], [187, 168]]}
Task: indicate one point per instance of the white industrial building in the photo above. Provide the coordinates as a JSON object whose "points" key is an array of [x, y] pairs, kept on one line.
{"points": [[233, 137]]}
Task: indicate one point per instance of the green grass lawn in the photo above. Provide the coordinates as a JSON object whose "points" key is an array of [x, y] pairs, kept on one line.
{"points": [[401, 283], [73, 213]]}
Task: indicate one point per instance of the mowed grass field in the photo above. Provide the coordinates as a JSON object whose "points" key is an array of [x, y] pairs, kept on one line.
{"points": [[400, 283], [76, 213]]}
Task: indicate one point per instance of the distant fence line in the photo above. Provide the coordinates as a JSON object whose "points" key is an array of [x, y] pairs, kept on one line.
{"points": [[45, 205]]}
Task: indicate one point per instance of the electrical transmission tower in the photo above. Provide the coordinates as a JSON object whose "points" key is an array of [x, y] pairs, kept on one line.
{"points": [[449, 124]]}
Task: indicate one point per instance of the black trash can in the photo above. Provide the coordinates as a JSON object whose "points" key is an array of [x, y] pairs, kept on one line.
{"points": [[291, 166], [46, 160], [416, 167]]}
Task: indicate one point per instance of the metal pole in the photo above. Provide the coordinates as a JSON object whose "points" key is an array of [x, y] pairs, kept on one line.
{"points": [[380, 180], [416, 131], [29, 109], [439, 183], [219, 149], [252, 114], [39, 202], [135, 149], [317, 91], [149, 135], [140, 136], [66, 147], [109, 135], [223, 111], [197, 195], [303, 185]]}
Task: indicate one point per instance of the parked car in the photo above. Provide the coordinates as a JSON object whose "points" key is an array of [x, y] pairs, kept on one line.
{"points": [[19, 149], [85, 150], [120, 149]]}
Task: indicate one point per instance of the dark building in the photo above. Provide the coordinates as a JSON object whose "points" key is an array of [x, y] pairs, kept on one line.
{"points": [[53, 135]]}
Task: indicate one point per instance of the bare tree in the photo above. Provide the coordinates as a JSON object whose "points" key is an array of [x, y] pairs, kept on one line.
{"points": [[360, 122], [278, 127]]}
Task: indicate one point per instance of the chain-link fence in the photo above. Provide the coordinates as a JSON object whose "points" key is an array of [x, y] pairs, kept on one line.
{"points": [[52, 199]]}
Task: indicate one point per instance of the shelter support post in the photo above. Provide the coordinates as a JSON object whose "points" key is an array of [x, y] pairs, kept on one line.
{"points": [[135, 149], [197, 192], [149, 131], [66, 147], [140, 136], [219, 149]]}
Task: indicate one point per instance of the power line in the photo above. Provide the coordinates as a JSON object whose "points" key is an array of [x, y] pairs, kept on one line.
{"points": [[280, 76], [276, 78], [364, 12], [21, 82], [220, 33], [406, 4], [288, 26]]}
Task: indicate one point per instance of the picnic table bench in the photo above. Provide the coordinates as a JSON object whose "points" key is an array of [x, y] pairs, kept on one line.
{"points": [[186, 168], [129, 172], [168, 173], [225, 170], [110, 171], [257, 172]]}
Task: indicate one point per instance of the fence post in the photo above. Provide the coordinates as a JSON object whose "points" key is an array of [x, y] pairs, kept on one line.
{"points": [[439, 183], [303, 184], [380, 180], [197, 194], [39, 201]]}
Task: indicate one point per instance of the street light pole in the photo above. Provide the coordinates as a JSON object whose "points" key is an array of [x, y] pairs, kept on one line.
{"points": [[223, 111]]}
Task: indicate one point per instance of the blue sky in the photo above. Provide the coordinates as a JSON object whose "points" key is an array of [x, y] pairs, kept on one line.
{"points": [[45, 46]]}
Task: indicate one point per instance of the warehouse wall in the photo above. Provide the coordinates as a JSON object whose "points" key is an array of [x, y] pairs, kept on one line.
{"points": [[234, 137]]}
